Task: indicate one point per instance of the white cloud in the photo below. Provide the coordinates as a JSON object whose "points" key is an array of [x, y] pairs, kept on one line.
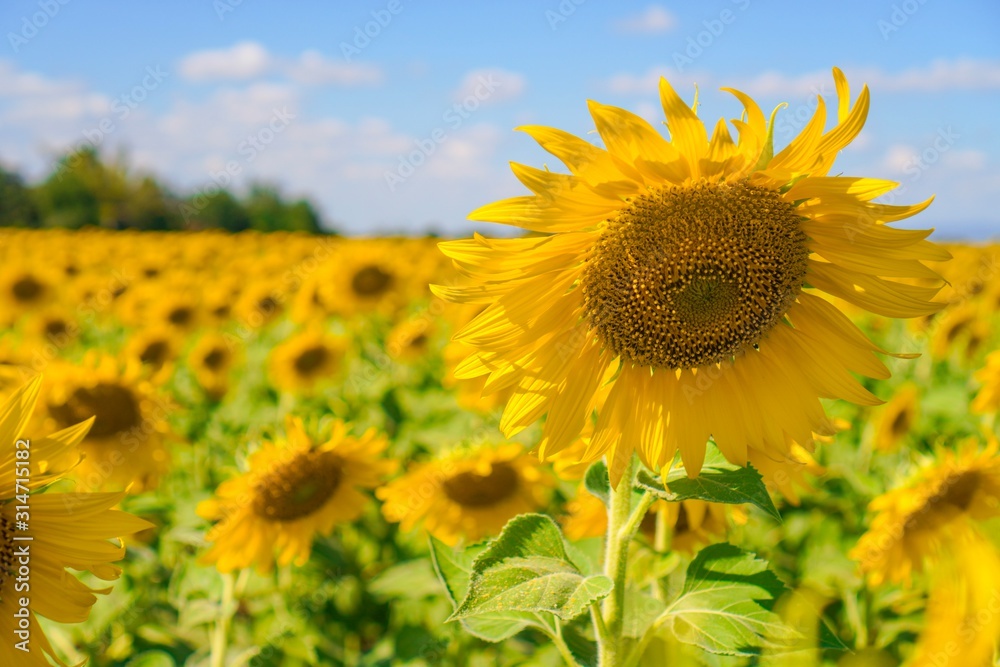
{"points": [[249, 60], [655, 19], [938, 76], [899, 157], [489, 86], [245, 60], [313, 68], [964, 159]]}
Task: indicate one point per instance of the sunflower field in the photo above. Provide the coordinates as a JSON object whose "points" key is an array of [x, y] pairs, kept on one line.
{"points": [[285, 449]]}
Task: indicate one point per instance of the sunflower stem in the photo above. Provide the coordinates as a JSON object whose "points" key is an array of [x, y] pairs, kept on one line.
{"points": [[620, 521], [226, 609]]}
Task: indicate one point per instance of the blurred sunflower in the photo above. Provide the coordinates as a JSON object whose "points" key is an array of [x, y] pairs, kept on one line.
{"points": [[211, 361], [693, 523], [155, 348], [365, 277], [51, 327], [987, 400], [258, 305], [175, 308], [789, 475], [305, 360], [409, 340], [24, 288], [125, 447], [920, 523], [676, 274], [294, 490], [952, 326], [468, 493], [895, 419], [67, 530]]}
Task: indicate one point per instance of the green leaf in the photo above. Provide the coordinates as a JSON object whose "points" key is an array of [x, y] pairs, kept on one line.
{"points": [[596, 481], [527, 570], [454, 569], [719, 482], [409, 580], [726, 604]]}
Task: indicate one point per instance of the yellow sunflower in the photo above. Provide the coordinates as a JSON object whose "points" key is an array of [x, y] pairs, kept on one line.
{"points": [[468, 493], [988, 398], [64, 530], [258, 305], [689, 277], [364, 276], [410, 339], [125, 448], [306, 359], [894, 420], [23, 289], [212, 360], [295, 489], [154, 347], [922, 522]]}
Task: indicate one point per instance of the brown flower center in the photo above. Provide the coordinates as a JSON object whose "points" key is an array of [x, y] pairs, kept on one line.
{"points": [[27, 289], [688, 276], [181, 316], [311, 359], [114, 406], [297, 487], [471, 489], [371, 281], [215, 359], [155, 354]]}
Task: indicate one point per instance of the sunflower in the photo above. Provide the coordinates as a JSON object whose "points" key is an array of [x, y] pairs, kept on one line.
{"points": [[895, 419], [176, 309], [789, 475], [955, 324], [125, 447], [52, 327], [24, 289], [920, 523], [468, 493], [987, 400], [306, 359], [366, 276], [258, 305], [690, 278], [155, 348], [211, 360], [295, 489], [410, 339], [693, 523], [64, 531]]}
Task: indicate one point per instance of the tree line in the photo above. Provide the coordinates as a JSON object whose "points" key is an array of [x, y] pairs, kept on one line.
{"points": [[85, 190]]}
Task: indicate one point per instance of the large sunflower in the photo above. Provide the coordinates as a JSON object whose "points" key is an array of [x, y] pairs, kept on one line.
{"points": [[295, 489], [468, 493], [687, 279], [63, 530]]}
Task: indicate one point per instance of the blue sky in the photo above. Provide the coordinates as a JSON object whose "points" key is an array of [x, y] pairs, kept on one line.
{"points": [[366, 125]]}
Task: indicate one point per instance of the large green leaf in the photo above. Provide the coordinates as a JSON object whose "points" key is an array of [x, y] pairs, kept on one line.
{"points": [[719, 482], [454, 568], [527, 570], [725, 606]]}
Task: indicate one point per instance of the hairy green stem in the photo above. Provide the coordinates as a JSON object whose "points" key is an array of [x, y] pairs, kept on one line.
{"points": [[617, 541], [226, 609]]}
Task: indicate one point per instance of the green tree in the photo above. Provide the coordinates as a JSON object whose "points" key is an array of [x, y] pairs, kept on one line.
{"points": [[17, 208]]}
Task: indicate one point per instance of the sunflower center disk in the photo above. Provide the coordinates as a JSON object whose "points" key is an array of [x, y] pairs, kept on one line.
{"points": [[688, 276], [470, 489], [371, 281], [114, 407], [311, 360], [298, 487]]}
